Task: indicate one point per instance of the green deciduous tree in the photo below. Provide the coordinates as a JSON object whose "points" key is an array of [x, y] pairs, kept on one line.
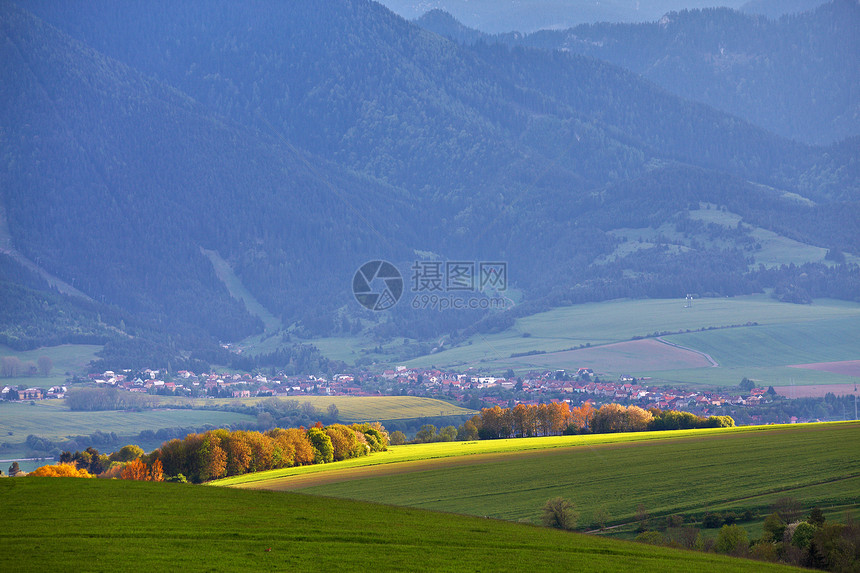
{"points": [[559, 513], [321, 443], [732, 540], [426, 434]]}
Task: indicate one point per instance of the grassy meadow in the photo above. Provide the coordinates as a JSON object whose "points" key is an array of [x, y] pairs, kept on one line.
{"points": [[113, 525], [71, 358], [50, 419], [350, 408], [785, 334], [684, 472], [288, 478]]}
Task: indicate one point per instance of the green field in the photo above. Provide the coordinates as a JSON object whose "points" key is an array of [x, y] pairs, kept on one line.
{"points": [[71, 358], [112, 525], [824, 340], [51, 419], [762, 376], [786, 334], [351, 408], [287, 477], [688, 473]]}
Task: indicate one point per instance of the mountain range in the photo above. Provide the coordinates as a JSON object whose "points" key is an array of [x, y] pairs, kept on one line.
{"points": [[296, 141], [500, 16]]}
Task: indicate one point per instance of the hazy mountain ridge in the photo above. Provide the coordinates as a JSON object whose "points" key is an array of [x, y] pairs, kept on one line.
{"points": [[300, 140], [501, 16], [786, 75]]}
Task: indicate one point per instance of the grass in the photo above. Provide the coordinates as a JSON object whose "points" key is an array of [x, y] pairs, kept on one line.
{"points": [[350, 408], [287, 477], [112, 525], [762, 376], [50, 419], [619, 320], [825, 340], [687, 472], [71, 358]]}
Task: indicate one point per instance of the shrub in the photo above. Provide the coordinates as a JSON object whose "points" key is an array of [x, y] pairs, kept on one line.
{"points": [[651, 537], [712, 520], [732, 540], [675, 521], [559, 513], [764, 551]]}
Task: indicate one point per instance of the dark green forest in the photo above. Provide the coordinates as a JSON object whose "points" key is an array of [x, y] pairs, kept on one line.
{"points": [[299, 140]]}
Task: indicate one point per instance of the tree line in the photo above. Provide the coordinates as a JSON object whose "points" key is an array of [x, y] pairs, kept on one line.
{"points": [[221, 453], [787, 536], [558, 418], [12, 366]]}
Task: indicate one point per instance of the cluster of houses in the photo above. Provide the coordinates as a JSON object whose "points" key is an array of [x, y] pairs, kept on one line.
{"points": [[461, 386], [626, 389], [221, 384], [54, 392]]}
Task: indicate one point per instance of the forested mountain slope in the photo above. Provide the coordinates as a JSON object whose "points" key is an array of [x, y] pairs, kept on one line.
{"points": [[301, 139]]}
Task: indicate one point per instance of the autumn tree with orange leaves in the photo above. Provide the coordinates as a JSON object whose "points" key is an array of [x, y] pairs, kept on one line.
{"points": [[60, 470]]}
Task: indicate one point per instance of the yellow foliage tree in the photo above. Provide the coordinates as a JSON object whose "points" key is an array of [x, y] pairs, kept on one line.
{"points": [[60, 470]]}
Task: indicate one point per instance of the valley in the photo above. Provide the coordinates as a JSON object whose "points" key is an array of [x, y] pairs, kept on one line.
{"points": [[348, 285]]}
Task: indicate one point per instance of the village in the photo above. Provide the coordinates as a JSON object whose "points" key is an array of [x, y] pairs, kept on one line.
{"points": [[465, 388]]}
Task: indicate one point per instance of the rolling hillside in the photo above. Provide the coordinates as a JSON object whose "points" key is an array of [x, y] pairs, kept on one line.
{"points": [[51, 522], [754, 465]]}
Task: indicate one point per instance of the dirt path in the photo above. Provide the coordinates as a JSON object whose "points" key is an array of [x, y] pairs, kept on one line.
{"points": [[713, 362]]}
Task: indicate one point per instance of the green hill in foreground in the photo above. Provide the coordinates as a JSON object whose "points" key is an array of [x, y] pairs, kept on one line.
{"points": [[101, 525], [685, 472]]}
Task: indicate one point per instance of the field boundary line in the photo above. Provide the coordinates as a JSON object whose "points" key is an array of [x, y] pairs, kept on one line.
{"points": [[714, 363]]}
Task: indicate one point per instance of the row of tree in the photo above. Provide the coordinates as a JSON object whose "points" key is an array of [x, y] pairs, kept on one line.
{"points": [[787, 537], [95, 399], [221, 453], [12, 366], [557, 418]]}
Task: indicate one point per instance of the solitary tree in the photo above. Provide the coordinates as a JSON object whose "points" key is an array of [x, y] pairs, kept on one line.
{"points": [[559, 513], [333, 412]]}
